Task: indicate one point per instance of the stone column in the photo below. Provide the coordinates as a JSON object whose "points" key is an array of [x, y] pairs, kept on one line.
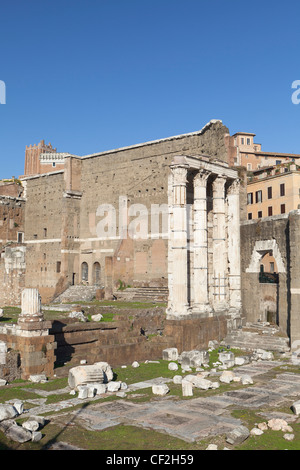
{"points": [[201, 302], [31, 306], [234, 262], [219, 245], [179, 305], [33, 341]]}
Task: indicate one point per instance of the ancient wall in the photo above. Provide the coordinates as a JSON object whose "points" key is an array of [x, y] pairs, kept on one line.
{"points": [[12, 275], [278, 235], [64, 209], [43, 232]]}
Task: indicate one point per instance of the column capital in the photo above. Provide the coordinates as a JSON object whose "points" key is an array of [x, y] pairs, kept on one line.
{"points": [[234, 188], [200, 179], [219, 183], [179, 174]]}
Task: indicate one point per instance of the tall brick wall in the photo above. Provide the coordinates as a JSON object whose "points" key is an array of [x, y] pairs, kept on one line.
{"points": [[66, 203]]}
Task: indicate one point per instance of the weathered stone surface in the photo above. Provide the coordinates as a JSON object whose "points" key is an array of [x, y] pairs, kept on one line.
{"points": [[177, 379], [82, 375], [237, 435], [227, 376], [18, 434], [187, 388], [160, 389], [38, 378], [7, 412], [296, 407], [170, 354], [107, 370], [113, 386], [193, 358], [173, 366]]}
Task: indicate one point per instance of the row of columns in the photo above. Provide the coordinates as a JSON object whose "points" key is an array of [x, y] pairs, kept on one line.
{"points": [[220, 291]]}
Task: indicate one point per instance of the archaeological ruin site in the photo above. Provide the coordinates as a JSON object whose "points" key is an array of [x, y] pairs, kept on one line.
{"points": [[143, 257]]}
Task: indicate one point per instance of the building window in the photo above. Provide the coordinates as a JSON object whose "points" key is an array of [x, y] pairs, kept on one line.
{"points": [[20, 237], [248, 141], [54, 164], [58, 266], [278, 162], [270, 192], [270, 211], [282, 209], [258, 197], [242, 140], [45, 233], [250, 216], [271, 266], [250, 198], [282, 189], [249, 166], [259, 214]]}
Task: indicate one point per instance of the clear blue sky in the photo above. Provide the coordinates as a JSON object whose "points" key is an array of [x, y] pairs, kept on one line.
{"points": [[92, 75]]}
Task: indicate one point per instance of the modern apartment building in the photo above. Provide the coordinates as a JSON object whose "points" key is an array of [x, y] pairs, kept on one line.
{"points": [[243, 151]]}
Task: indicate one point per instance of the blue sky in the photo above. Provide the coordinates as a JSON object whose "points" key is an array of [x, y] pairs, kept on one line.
{"points": [[94, 75]]}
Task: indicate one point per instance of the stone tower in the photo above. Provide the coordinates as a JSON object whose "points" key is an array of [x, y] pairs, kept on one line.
{"points": [[32, 157]]}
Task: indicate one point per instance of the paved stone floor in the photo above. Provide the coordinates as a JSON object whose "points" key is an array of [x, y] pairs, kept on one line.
{"points": [[192, 419]]}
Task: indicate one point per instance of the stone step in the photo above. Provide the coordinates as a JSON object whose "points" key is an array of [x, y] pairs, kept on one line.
{"points": [[158, 294], [258, 336], [77, 294]]}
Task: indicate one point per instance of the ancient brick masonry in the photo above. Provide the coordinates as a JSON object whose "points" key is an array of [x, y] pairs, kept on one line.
{"points": [[64, 209]]}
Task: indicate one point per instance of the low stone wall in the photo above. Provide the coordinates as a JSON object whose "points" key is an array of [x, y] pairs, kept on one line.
{"points": [[126, 340]]}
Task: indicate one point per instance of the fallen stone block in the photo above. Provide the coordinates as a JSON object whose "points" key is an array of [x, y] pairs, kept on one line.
{"points": [[247, 380], [82, 375], [173, 366], [256, 432], [7, 412], [100, 389], [201, 383], [296, 407], [289, 437], [38, 378], [170, 354], [135, 364], [107, 371], [226, 376], [2, 382], [113, 386], [31, 425], [97, 317], [82, 391], [36, 436], [194, 358], [187, 388], [278, 424], [18, 434], [161, 389], [237, 435], [177, 379]]}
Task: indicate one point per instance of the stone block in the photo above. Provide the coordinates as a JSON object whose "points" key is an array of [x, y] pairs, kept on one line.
{"points": [[237, 435], [160, 389], [170, 354]]}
